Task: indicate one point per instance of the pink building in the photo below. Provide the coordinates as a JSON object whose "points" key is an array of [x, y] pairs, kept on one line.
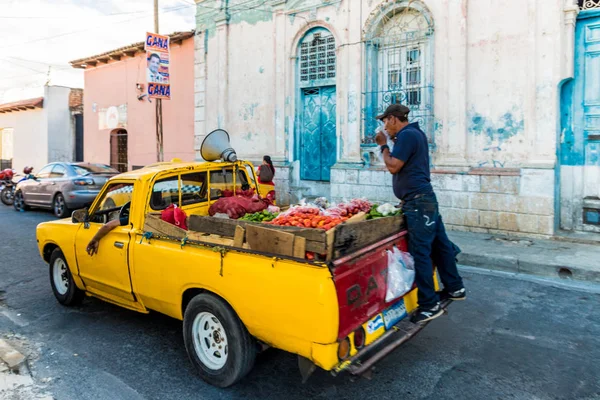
{"points": [[120, 122]]}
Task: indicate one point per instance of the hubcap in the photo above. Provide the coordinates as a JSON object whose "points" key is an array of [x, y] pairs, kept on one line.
{"points": [[210, 340], [59, 205], [59, 276], [19, 200]]}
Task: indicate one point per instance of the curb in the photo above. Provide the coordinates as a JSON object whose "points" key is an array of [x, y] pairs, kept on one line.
{"points": [[11, 357], [517, 266]]}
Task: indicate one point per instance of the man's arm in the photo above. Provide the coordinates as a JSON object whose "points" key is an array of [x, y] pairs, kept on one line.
{"points": [[92, 247], [393, 164]]}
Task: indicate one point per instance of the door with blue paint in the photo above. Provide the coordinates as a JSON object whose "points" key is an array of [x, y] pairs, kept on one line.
{"points": [[318, 142], [580, 136]]}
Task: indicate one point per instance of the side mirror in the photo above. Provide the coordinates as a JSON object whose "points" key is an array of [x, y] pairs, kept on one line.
{"points": [[80, 216]]}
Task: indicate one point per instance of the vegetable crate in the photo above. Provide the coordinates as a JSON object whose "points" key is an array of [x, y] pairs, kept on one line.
{"points": [[344, 239]]}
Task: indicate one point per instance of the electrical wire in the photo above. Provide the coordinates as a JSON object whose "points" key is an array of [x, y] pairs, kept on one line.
{"points": [[89, 29]]}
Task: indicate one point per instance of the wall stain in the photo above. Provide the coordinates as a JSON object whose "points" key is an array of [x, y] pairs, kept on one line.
{"points": [[261, 70], [352, 117], [496, 133], [247, 113]]}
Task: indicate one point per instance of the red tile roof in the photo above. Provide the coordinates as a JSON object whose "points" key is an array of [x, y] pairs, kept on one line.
{"points": [[22, 105]]}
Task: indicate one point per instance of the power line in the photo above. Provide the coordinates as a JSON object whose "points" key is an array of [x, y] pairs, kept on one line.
{"points": [[57, 66], [89, 29]]}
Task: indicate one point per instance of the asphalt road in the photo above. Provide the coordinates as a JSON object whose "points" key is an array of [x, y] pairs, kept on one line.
{"points": [[512, 339]]}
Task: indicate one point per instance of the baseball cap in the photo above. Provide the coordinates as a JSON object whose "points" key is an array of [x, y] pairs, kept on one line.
{"points": [[397, 110]]}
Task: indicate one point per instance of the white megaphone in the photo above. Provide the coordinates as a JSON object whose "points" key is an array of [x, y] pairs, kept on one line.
{"points": [[216, 146]]}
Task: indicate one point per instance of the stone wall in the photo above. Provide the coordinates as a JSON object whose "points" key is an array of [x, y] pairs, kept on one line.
{"points": [[491, 201]]}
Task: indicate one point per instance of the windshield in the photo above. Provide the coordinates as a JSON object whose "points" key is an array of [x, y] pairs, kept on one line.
{"points": [[86, 169]]}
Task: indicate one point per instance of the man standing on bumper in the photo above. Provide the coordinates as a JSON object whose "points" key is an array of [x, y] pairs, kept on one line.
{"points": [[408, 162]]}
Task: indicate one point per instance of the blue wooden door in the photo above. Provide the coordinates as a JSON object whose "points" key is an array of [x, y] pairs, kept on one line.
{"points": [[318, 143], [580, 136]]}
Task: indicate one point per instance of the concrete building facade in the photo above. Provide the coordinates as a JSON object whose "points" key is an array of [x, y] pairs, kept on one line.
{"points": [[120, 120], [37, 131], [506, 95]]}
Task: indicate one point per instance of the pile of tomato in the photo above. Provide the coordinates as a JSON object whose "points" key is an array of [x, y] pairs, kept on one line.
{"points": [[307, 217]]}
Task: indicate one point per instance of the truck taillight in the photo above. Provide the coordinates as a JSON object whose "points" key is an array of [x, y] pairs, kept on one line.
{"points": [[359, 338], [344, 349]]}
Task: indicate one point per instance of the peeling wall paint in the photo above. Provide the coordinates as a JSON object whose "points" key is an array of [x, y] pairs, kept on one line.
{"points": [[496, 132], [248, 110], [352, 107]]}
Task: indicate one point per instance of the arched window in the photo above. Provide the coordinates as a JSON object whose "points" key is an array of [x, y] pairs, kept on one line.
{"points": [[399, 54], [317, 59]]}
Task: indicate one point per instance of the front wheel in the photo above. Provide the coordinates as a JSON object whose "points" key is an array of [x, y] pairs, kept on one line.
{"points": [[6, 196], [61, 280], [217, 342], [59, 205]]}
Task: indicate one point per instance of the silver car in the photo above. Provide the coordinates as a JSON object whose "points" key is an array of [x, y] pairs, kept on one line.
{"points": [[63, 187]]}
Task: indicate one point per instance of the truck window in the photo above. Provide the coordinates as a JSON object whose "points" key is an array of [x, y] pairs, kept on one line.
{"points": [[194, 188], [222, 180], [115, 197], [166, 191]]}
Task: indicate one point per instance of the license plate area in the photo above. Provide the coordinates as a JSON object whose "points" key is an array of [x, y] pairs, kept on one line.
{"points": [[394, 314]]}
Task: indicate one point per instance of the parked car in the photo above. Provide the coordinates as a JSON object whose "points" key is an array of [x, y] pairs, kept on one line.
{"points": [[62, 187]]}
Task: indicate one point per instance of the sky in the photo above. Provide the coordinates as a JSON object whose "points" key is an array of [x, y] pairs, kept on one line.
{"points": [[42, 35]]}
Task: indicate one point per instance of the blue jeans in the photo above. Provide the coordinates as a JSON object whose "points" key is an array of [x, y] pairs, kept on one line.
{"points": [[427, 241]]}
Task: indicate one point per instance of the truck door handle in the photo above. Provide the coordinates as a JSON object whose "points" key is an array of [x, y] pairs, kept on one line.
{"points": [[119, 245]]}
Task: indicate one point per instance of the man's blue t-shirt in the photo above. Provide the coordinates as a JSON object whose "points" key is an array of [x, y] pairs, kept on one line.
{"points": [[412, 148]]}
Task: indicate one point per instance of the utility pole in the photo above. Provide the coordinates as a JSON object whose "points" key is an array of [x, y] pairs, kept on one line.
{"points": [[159, 127]]}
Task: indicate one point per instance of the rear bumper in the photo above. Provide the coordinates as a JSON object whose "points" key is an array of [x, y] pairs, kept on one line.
{"points": [[365, 359], [80, 198]]}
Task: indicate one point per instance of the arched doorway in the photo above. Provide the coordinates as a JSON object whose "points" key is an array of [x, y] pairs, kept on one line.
{"points": [[317, 141], [118, 150]]}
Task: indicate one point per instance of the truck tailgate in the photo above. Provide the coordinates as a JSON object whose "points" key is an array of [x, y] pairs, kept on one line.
{"points": [[361, 283]]}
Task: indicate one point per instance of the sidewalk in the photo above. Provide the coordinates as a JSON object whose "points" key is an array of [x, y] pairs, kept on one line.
{"points": [[550, 258]]}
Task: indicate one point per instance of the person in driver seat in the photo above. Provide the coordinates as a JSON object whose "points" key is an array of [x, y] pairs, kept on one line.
{"points": [[123, 220]]}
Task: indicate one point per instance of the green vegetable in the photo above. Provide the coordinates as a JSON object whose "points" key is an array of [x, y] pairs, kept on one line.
{"points": [[261, 216]]}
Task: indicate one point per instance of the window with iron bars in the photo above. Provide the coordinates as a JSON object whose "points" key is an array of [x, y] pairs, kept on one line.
{"points": [[317, 58], [588, 4], [401, 72]]}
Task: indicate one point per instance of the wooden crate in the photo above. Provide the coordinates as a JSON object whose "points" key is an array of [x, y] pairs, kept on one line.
{"points": [[154, 224], [344, 239]]}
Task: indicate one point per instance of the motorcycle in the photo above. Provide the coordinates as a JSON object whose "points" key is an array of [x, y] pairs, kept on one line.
{"points": [[7, 186]]}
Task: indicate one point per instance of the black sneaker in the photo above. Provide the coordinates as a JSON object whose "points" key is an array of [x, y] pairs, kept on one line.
{"points": [[460, 294], [427, 314]]}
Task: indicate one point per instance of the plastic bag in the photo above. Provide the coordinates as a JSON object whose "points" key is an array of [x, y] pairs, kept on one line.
{"points": [[400, 275], [174, 215], [390, 143]]}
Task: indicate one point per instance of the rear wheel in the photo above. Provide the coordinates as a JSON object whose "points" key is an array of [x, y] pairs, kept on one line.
{"points": [[19, 202], [217, 342], [6, 196], [59, 206], [61, 280]]}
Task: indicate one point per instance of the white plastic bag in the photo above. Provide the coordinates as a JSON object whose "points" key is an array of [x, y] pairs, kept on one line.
{"points": [[390, 143], [400, 275]]}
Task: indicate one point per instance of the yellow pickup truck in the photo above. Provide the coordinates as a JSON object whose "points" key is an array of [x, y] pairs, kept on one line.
{"points": [[332, 314]]}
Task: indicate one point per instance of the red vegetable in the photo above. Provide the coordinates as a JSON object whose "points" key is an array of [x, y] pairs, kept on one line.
{"points": [[237, 207]]}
